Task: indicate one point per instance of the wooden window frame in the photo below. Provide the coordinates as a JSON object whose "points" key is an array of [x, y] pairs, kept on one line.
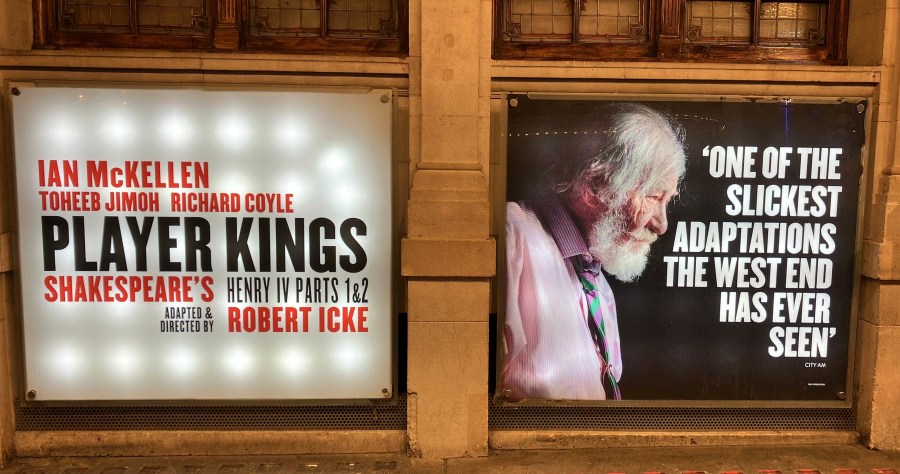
{"points": [[227, 27], [666, 40], [575, 49], [47, 33], [324, 43]]}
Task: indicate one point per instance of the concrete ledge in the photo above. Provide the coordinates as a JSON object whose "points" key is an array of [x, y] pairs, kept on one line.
{"points": [[211, 443], [194, 61], [680, 71], [619, 439]]}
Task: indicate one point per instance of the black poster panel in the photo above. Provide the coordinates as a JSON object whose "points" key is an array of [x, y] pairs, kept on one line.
{"points": [[746, 292]]}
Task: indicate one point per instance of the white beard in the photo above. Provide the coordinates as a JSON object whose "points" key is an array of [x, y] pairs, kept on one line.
{"points": [[621, 253]]}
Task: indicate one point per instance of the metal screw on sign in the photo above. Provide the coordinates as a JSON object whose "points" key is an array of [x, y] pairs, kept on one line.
{"points": [[385, 392], [385, 98], [860, 108], [32, 394], [842, 395], [514, 102], [16, 91]]}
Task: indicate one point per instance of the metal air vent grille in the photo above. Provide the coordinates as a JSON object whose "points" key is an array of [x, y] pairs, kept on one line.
{"points": [[221, 418], [510, 417]]}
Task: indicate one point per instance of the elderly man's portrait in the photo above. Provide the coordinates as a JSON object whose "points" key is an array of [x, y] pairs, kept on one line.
{"points": [[602, 205], [627, 274]]}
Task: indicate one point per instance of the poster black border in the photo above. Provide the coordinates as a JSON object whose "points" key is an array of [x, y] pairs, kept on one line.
{"points": [[499, 194]]}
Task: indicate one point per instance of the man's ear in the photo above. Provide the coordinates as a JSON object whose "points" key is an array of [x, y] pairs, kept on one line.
{"points": [[589, 199]]}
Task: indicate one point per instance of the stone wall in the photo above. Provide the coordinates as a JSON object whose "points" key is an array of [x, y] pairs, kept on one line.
{"points": [[448, 250]]}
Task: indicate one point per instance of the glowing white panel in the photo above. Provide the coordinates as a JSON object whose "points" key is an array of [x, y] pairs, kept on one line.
{"points": [[66, 361], [189, 244], [61, 130], [234, 132], [181, 362], [238, 361], [118, 129], [291, 133], [293, 362], [124, 361], [334, 161], [175, 130]]}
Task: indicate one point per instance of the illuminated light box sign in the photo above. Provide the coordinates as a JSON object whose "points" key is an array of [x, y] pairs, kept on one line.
{"points": [[191, 244], [680, 251]]}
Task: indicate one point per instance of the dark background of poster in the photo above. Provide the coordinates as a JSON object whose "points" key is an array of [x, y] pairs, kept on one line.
{"points": [[673, 345]]}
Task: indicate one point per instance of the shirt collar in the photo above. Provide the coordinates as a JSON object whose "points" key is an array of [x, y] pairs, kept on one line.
{"points": [[562, 227]]}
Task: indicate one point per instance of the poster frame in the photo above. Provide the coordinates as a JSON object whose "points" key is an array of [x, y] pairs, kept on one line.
{"points": [[18, 371], [499, 193]]}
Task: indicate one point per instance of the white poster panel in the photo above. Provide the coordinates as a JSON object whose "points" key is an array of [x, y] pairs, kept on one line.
{"points": [[181, 244]]}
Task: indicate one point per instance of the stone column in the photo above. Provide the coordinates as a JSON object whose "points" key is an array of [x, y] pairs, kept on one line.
{"points": [[448, 254], [874, 40], [16, 25]]}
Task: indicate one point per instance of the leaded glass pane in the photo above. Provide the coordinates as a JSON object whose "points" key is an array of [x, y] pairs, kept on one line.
{"points": [[114, 16], [718, 22], [361, 18], [613, 20], [101, 15], [792, 23], [286, 17], [345, 18], [539, 20], [167, 14]]}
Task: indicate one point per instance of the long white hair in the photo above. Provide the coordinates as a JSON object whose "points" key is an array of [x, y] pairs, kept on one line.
{"points": [[642, 148]]}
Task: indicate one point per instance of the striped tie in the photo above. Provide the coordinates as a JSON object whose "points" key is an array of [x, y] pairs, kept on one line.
{"points": [[588, 279]]}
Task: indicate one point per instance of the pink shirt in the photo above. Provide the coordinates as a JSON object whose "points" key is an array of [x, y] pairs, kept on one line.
{"points": [[550, 353]]}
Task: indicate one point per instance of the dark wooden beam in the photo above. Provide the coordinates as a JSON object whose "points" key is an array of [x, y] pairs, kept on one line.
{"points": [[225, 32], [671, 33]]}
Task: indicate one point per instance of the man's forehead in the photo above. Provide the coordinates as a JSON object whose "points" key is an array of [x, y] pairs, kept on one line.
{"points": [[671, 183], [668, 185]]}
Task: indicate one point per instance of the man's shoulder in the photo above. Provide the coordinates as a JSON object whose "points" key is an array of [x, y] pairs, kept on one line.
{"points": [[523, 222], [519, 211], [515, 211]]}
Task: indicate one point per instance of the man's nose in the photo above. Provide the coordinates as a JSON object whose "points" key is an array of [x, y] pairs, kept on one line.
{"points": [[658, 222]]}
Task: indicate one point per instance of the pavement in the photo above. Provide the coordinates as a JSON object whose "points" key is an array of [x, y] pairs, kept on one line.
{"points": [[824, 459]]}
